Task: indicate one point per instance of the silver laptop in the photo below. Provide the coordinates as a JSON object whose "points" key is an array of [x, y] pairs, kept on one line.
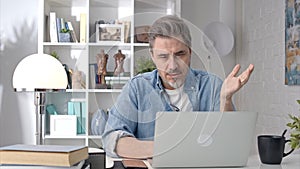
{"points": [[203, 139]]}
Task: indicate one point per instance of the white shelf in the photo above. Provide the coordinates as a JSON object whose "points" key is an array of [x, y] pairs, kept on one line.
{"points": [[94, 137], [76, 90], [65, 137], [65, 44], [141, 44], [104, 90], [79, 56], [109, 44]]}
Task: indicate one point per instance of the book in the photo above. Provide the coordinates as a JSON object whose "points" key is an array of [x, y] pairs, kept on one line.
{"points": [[93, 73], [83, 117], [47, 28], [58, 28], [77, 107], [83, 28], [47, 155], [80, 165], [127, 31], [53, 28], [63, 35], [93, 77], [126, 26], [72, 32], [62, 24], [97, 158]]}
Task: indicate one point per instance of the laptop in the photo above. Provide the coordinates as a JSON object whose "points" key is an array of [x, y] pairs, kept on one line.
{"points": [[203, 139]]}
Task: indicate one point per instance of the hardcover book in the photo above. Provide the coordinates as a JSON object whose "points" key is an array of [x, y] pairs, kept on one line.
{"points": [[72, 32], [53, 28], [47, 155], [79, 165], [83, 28]]}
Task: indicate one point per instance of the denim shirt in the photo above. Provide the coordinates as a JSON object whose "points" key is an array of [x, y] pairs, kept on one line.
{"points": [[133, 113]]}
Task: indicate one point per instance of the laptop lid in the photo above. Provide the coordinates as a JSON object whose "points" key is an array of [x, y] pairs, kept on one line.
{"points": [[203, 139]]}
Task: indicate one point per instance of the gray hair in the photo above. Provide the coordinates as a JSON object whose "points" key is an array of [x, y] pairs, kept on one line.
{"points": [[170, 26]]}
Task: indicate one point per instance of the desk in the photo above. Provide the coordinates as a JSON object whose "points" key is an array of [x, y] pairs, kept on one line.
{"points": [[290, 162]]}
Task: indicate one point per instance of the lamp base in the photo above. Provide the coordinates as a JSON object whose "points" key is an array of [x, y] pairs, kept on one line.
{"points": [[39, 101]]}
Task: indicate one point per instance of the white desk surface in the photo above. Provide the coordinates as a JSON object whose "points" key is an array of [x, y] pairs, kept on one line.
{"points": [[290, 162]]}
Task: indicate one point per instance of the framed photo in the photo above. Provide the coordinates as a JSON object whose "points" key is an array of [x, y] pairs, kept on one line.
{"points": [[109, 33], [292, 42], [63, 125], [141, 34]]}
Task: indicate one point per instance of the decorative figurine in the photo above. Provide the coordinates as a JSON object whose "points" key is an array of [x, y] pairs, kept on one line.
{"points": [[101, 63], [78, 80], [119, 61]]}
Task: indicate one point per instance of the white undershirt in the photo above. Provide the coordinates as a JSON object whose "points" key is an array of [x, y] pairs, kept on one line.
{"points": [[180, 99]]}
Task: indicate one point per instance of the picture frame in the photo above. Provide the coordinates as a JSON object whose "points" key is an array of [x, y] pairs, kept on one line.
{"points": [[292, 42], [63, 125], [141, 34], [109, 33]]}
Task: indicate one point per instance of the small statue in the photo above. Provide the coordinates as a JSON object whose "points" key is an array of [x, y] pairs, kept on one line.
{"points": [[119, 61], [101, 63], [78, 80]]}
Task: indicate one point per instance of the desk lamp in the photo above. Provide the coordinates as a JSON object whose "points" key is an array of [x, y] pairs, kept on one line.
{"points": [[39, 73]]}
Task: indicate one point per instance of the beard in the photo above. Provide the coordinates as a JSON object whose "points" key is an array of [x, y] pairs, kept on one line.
{"points": [[177, 83], [174, 82]]}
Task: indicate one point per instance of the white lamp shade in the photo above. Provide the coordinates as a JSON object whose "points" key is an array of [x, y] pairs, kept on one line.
{"points": [[221, 37], [39, 72]]}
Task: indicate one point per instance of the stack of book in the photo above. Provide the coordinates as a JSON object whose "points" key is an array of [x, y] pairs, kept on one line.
{"points": [[42, 156]]}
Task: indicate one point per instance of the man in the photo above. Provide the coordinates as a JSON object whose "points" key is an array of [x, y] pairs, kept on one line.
{"points": [[173, 86]]}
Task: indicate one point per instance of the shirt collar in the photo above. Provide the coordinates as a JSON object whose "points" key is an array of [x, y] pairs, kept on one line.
{"points": [[190, 81]]}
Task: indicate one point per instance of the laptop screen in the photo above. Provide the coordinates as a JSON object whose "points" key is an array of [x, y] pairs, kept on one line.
{"points": [[203, 139]]}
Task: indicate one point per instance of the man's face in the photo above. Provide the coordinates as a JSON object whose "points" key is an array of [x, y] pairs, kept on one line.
{"points": [[172, 59]]}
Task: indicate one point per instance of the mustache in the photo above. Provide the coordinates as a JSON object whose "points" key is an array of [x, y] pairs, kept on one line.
{"points": [[173, 71]]}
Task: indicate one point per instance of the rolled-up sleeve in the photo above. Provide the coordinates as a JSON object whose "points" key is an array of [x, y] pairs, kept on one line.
{"points": [[122, 120], [110, 141]]}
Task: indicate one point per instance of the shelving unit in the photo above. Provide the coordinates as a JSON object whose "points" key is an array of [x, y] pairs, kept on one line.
{"points": [[79, 56]]}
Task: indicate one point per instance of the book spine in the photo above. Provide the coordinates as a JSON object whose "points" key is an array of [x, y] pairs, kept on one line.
{"points": [[83, 28], [58, 28], [92, 76], [67, 27], [77, 112], [62, 24], [53, 29], [70, 108], [96, 75], [83, 117], [72, 32], [78, 108]]}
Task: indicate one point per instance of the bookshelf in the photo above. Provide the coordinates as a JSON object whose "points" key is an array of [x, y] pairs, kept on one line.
{"points": [[80, 56]]}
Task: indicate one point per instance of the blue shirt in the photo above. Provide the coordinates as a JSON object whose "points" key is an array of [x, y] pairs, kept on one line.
{"points": [[133, 113]]}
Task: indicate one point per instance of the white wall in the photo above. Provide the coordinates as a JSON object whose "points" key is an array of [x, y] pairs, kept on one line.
{"points": [[200, 14], [18, 33], [262, 43], [259, 39]]}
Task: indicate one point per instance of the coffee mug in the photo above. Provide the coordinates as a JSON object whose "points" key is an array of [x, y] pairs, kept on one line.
{"points": [[271, 148]]}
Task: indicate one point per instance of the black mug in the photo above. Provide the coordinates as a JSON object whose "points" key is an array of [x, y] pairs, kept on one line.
{"points": [[271, 148]]}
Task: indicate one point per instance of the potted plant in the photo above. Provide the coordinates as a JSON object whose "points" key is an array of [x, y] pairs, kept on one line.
{"points": [[295, 130], [144, 65], [55, 55], [64, 35]]}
